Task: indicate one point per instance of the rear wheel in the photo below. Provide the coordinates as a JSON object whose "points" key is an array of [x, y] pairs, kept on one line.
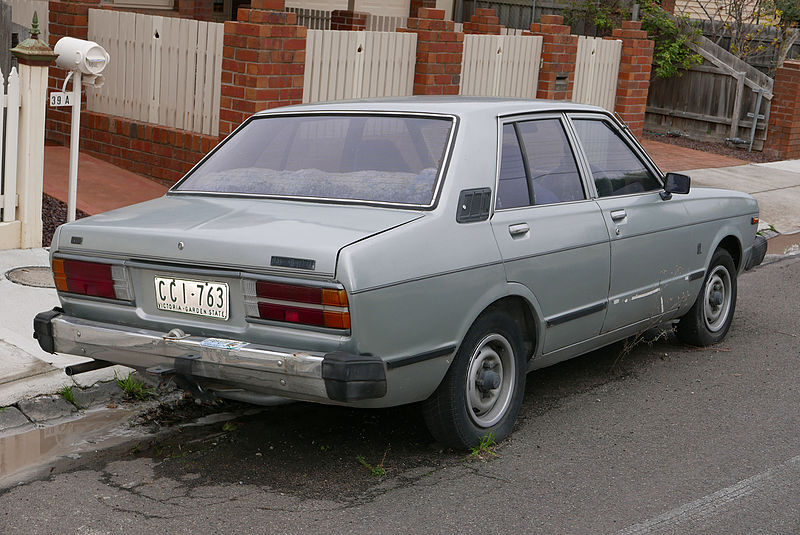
{"points": [[483, 389], [709, 319]]}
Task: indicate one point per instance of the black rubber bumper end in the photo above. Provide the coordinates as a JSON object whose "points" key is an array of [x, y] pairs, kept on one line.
{"points": [[351, 377], [757, 252], [43, 329]]}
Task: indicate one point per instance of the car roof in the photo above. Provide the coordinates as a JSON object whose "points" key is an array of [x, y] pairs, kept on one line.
{"points": [[447, 105]]}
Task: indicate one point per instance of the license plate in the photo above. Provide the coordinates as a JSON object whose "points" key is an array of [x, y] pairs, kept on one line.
{"points": [[201, 298]]}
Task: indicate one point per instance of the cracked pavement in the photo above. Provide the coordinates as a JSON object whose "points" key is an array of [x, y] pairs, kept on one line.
{"points": [[668, 439]]}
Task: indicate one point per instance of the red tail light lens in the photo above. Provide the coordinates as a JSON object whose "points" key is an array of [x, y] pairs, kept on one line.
{"points": [[291, 303], [91, 278]]}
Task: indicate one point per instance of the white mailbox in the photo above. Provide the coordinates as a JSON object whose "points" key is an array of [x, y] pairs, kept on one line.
{"points": [[86, 57]]}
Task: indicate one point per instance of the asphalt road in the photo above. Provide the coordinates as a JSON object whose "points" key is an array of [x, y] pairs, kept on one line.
{"points": [[664, 439]]}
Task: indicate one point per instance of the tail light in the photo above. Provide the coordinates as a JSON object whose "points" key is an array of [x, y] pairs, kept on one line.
{"points": [[290, 303], [91, 278]]}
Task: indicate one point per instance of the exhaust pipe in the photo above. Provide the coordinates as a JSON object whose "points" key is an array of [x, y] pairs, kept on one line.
{"points": [[84, 367]]}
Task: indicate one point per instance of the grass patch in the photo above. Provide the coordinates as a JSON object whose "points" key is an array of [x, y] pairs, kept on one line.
{"points": [[134, 387], [69, 395], [486, 448]]}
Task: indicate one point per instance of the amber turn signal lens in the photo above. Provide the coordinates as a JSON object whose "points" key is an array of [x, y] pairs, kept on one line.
{"points": [[59, 275], [337, 320], [336, 298], [754, 221]]}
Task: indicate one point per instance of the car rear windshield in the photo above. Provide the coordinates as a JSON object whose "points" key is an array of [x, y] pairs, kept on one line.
{"points": [[375, 158]]}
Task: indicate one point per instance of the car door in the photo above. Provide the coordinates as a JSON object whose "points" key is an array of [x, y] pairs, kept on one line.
{"points": [[649, 245], [551, 236]]}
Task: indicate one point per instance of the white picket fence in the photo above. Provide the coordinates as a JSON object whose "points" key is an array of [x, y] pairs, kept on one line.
{"points": [[313, 19], [501, 65], [596, 71], [385, 23], [163, 70], [22, 14], [358, 64], [9, 135]]}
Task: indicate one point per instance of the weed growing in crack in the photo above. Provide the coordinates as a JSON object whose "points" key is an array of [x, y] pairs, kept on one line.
{"points": [[69, 395], [134, 388], [376, 471], [486, 448]]}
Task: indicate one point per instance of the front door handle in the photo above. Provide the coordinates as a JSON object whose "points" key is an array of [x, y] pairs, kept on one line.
{"points": [[518, 229], [617, 215]]}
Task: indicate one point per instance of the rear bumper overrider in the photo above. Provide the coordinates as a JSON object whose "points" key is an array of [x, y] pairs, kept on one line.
{"points": [[336, 376]]}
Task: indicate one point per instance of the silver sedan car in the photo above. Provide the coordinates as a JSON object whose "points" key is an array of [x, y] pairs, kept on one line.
{"points": [[382, 252]]}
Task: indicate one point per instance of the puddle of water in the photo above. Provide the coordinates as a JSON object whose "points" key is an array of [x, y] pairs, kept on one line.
{"points": [[23, 454]]}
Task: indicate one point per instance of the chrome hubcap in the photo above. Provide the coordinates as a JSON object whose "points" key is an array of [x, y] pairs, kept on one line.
{"points": [[490, 380], [717, 302]]}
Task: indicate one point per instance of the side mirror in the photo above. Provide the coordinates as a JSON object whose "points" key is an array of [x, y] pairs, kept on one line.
{"points": [[675, 183]]}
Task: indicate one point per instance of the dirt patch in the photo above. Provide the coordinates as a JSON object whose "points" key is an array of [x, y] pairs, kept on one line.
{"points": [[54, 213], [723, 149]]}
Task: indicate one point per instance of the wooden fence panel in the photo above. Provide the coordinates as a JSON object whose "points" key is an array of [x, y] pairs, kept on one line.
{"points": [[501, 65], [163, 70], [713, 101], [596, 71], [358, 64]]}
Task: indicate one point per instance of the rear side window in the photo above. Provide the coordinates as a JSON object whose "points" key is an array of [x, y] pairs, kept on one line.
{"points": [[537, 165], [615, 167], [378, 158]]}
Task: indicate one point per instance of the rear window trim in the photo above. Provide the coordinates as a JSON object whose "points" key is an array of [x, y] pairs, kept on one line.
{"points": [[454, 120]]}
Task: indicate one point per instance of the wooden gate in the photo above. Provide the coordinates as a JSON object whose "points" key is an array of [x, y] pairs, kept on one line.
{"points": [[163, 70], [716, 100], [501, 65], [596, 71], [358, 64]]}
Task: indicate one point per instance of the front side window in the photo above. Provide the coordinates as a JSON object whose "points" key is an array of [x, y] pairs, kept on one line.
{"points": [[376, 158], [537, 165], [615, 168]]}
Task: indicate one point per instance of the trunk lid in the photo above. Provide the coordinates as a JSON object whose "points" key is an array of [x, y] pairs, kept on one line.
{"points": [[239, 233]]}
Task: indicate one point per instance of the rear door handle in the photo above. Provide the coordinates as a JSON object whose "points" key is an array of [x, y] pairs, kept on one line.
{"points": [[616, 215], [518, 229]]}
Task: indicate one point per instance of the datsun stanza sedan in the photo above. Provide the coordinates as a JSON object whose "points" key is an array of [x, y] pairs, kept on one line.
{"points": [[382, 252]]}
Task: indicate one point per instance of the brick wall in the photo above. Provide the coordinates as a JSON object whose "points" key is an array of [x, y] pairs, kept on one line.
{"points": [[194, 9], [264, 62], [341, 19], [559, 53], [162, 153], [439, 52], [783, 132], [413, 8], [484, 21], [634, 74]]}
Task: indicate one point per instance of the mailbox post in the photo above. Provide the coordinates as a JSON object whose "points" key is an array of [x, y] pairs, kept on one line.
{"points": [[80, 58]]}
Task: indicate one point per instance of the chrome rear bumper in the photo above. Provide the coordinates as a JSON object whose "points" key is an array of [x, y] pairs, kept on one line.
{"points": [[333, 377]]}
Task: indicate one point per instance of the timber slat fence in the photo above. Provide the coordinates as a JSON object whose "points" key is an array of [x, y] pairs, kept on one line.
{"points": [[596, 71], [163, 70], [358, 64], [501, 65], [9, 135]]}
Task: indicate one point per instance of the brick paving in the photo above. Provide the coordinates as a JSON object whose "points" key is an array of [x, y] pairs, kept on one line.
{"points": [[675, 158]]}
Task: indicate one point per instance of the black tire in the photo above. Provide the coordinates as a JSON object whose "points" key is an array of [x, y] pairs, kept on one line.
{"points": [[709, 319], [461, 412]]}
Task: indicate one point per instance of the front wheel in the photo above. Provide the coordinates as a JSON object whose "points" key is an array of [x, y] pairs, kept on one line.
{"points": [[709, 319], [482, 392]]}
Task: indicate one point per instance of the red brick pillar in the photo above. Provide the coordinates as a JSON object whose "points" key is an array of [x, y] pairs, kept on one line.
{"points": [[483, 21], [634, 74], [342, 19], [413, 8], [668, 6], [194, 9], [264, 62], [439, 52], [559, 53], [783, 132]]}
